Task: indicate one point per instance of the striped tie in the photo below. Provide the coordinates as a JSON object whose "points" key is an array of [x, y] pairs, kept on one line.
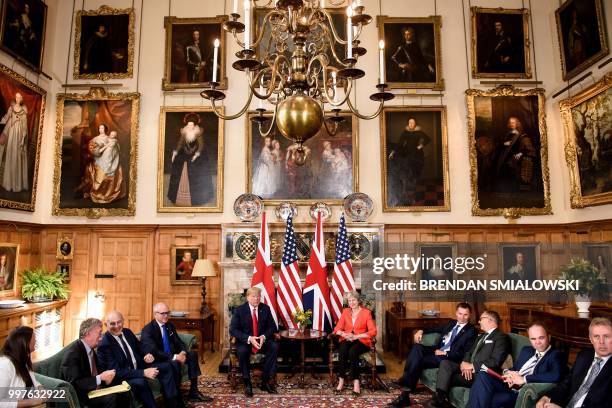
{"points": [[528, 368], [584, 388]]}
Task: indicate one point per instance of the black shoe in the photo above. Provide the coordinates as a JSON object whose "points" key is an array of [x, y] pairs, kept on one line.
{"points": [[248, 388], [197, 396], [269, 388], [439, 402], [403, 400]]}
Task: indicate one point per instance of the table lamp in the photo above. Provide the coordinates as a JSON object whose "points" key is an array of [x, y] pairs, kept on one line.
{"points": [[203, 268]]}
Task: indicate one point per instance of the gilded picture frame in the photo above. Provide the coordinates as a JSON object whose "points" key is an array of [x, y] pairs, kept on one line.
{"points": [[586, 120], [312, 182], [425, 32], [173, 119], [433, 175], [500, 40], [9, 269], [577, 48], [15, 192], [31, 19], [65, 248], [182, 264], [504, 182], [519, 261], [79, 117], [600, 255], [179, 37], [119, 43]]}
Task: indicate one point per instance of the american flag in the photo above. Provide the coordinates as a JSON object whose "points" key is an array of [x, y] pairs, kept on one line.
{"points": [[316, 288], [263, 271], [289, 293], [342, 280]]}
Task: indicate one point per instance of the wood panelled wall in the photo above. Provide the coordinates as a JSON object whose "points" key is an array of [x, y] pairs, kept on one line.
{"points": [[557, 244]]}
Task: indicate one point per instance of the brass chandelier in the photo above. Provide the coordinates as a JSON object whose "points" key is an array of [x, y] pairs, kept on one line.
{"points": [[298, 70]]}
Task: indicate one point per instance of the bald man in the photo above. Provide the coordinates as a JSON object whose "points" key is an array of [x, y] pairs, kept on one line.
{"points": [[121, 351], [159, 338]]}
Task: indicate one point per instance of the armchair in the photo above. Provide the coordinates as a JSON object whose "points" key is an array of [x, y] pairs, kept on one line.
{"points": [[256, 361]]}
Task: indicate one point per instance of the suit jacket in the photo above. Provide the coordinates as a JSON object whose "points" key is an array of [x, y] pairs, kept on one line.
{"points": [[363, 324], [112, 357], [550, 369], [75, 369], [492, 352], [599, 392], [463, 340], [241, 325], [151, 341]]}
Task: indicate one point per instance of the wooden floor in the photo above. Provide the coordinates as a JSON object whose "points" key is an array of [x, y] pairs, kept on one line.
{"points": [[212, 361]]}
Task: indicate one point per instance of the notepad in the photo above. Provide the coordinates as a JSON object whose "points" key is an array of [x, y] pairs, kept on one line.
{"points": [[123, 387]]}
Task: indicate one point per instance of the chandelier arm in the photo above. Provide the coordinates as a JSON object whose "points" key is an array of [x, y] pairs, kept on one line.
{"points": [[346, 95], [237, 115], [365, 117], [266, 133], [333, 29], [255, 45], [333, 50], [333, 131]]}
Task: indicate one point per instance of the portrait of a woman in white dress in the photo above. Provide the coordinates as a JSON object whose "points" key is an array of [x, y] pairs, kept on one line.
{"points": [[14, 146], [264, 183]]}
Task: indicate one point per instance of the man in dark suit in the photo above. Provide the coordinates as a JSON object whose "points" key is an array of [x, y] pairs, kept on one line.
{"points": [[538, 363], [121, 351], [160, 339], [80, 367], [254, 327], [457, 337], [589, 382], [490, 349]]}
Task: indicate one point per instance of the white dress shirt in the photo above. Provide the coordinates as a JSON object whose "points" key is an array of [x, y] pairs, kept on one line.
{"points": [[129, 351], [89, 350]]}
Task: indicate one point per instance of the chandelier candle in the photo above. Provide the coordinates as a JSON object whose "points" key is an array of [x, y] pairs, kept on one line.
{"points": [[261, 92], [215, 58], [247, 25], [381, 59], [333, 74], [349, 32], [235, 8]]}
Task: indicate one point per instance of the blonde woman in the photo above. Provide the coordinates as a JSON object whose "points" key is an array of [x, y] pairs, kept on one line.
{"points": [[355, 330]]}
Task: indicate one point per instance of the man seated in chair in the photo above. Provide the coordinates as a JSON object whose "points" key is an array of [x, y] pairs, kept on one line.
{"points": [[159, 338], [589, 382], [121, 351], [80, 368], [355, 329], [457, 337], [253, 327], [538, 363], [490, 349]]}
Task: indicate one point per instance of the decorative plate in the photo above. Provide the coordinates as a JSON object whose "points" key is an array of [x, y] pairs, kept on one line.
{"points": [[247, 207], [323, 208], [178, 314], [283, 210], [358, 206], [11, 303], [429, 312]]}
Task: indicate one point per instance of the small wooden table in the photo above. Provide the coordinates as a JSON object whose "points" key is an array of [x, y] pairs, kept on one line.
{"points": [[411, 319], [201, 324], [302, 337]]}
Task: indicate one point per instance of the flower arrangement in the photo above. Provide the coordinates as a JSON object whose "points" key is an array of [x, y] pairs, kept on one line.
{"points": [[302, 318], [585, 273], [234, 300], [41, 285]]}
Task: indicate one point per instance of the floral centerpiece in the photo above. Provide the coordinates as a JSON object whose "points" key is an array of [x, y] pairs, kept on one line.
{"points": [[302, 318], [41, 285], [589, 280]]}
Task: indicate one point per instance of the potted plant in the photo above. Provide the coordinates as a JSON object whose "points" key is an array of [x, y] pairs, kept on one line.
{"points": [[234, 300], [302, 318], [40, 285], [589, 279]]}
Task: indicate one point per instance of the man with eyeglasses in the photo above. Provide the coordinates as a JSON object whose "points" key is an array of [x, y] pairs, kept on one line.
{"points": [[490, 350], [538, 363], [121, 351], [159, 338]]}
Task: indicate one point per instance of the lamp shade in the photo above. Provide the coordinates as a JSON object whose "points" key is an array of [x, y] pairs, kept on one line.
{"points": [[203, 268]]}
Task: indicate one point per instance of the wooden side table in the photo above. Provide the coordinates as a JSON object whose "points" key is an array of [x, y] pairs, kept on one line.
{"points": [[396, 323], [204, 323], [302, 337]]}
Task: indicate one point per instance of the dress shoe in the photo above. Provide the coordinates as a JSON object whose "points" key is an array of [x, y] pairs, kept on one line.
{"points": [[403, 400], [269, 388], [248, 388], [197, 396]]}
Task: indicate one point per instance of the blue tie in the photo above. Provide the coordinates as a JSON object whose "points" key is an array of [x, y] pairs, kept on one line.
{"points": [[452, 337], [166, 339]]}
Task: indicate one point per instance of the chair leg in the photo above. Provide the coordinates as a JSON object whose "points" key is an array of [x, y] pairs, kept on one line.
{"points": [[332, 379]]}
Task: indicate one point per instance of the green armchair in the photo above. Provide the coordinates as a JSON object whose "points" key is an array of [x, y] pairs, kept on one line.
{"points": [[459, 396], [48, 373]]}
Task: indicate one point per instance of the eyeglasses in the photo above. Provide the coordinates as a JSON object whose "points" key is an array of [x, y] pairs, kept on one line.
{"points": [[484, 317], [163, 313], [114, 324]]}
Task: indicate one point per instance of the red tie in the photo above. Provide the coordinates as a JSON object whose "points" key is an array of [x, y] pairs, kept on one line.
{"points": [[254, 349]]}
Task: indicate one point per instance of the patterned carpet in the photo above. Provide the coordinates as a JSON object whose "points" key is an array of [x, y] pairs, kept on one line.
{"points": [[316, 393]]}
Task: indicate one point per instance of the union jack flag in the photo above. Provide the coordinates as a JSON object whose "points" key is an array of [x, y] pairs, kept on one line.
{"points": [[263, 271], [316, 287], [342, 280], [289, 292]]}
